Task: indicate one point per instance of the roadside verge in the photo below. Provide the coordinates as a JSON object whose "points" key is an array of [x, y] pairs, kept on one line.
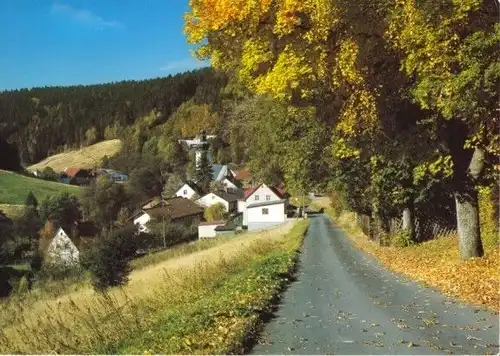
{"points": [[436, 263]]}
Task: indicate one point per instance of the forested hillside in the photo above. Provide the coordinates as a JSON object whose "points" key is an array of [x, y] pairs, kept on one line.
{"points": [[43, 121]]}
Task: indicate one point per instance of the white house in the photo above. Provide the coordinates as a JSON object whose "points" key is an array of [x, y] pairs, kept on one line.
{"points": [[207, 229], [62, 251], [260, 194], [266, 214], [228, 200], [186, 191], [230, 186]]}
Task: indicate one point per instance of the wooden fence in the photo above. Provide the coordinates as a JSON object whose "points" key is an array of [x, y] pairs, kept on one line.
{"points": [[423, 230]]}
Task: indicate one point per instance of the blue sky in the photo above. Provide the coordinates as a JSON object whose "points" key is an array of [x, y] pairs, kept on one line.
{"points": [[45, 42]]}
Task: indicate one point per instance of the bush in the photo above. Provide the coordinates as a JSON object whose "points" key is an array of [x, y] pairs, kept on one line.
{"points": [[402, 239], [109, 260], [215, 212]]}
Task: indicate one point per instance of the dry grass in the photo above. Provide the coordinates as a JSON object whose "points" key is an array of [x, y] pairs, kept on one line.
{"points": [[12, 210], [80, 321], [87, 157]]}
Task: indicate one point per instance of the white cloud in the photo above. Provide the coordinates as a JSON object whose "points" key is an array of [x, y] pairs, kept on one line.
{"points": [[84, 16], [183, 65]]}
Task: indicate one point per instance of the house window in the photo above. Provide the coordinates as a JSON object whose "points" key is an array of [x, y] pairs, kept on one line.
{"points": [[257, 197], [185, 192], [265, 211], [268, 197]]}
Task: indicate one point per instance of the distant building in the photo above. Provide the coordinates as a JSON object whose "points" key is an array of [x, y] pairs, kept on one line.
{"points": [[201, 145], [175, 210], [116, 176], [79, 176], [246, 178], [62, 251], [188, 190], [229, 201]]}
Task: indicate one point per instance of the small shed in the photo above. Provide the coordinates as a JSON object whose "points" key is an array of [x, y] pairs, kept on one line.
{"points": [[207, 229]]}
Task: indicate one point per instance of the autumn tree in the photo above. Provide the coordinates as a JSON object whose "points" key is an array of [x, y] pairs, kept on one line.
{"points": [[203, 174], [452, 51], [331, 57], [215, 212]]}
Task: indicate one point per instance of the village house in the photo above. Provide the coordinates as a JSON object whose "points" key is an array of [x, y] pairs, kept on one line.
{"points": [[175, 210], [245, 177], [229, 201], [188, 190], [263, 207], [79, 176], [63, 250], [116, 176]]}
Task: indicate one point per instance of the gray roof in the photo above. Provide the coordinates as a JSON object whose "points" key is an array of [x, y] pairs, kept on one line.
{"points": [[226, 196], [219, 171], [265, 203]]}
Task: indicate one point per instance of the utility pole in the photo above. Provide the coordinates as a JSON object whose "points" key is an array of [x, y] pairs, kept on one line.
{"points": [[163, 221]]}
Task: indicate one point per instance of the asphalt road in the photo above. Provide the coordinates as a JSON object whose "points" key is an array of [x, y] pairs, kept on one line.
{"points": [[345, 302]]}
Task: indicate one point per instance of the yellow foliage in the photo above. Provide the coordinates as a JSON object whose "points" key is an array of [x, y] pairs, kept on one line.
{"points": [[284, 48], [488, 208], [345, 67], [359, 114]]}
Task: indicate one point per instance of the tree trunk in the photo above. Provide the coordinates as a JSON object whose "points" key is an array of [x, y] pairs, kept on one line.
{"points": [[467, 205], [408, 221], [469, 234]]}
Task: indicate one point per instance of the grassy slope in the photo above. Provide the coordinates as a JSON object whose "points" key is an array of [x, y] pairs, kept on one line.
{"points": [[87, 157], [203, 302], [436, 263], [14, 188], [12, 210]]}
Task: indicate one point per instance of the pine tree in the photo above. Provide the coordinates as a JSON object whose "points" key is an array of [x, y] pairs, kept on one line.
{"points": [[203, 172], [31, 200]]}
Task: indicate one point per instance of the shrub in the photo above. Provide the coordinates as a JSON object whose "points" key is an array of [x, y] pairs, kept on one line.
{"points": [[23, 286], [402, 239], [215, 212], [109, 260]]}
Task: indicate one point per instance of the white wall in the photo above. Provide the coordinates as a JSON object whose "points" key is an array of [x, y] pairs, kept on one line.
{"points": [[276, 213], [142, 220], [186, 192], [212, 199], [62, 250], [241, 206], [263, 194], [207, 230], [230, 186]]}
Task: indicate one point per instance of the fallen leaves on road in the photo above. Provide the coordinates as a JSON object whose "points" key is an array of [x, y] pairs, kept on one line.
{"points": [[437, 263]]}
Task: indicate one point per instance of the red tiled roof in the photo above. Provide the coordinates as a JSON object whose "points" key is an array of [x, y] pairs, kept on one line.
{"points": [[280, 192], [71, 172], [242, 174], [249, 192]]}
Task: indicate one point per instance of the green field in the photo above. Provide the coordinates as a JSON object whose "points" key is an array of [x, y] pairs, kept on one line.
{"points": [[15, 187]]}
